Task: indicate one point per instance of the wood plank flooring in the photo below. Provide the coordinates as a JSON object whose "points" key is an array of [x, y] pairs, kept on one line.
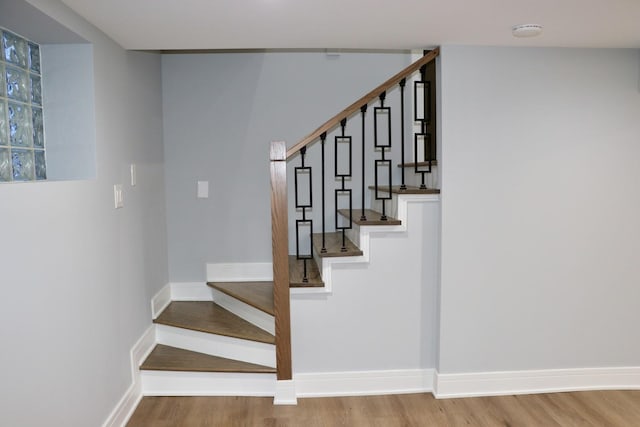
{"points": [[592, 408], [166, 358], [257, 294], [205, 316]]}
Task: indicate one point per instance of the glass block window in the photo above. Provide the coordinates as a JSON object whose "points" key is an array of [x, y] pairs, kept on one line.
{"points": [[22, 145]]}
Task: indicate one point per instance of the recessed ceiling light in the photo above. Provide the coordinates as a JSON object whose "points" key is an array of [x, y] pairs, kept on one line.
{"points": [[526, 30]]}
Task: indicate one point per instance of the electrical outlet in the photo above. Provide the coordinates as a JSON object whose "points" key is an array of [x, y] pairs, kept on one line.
{"points": [[117, 196]]}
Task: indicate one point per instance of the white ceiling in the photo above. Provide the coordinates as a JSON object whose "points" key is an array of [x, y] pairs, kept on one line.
{"points": [[360, 24]]}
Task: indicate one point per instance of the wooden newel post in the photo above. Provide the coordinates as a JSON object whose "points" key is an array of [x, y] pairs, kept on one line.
{"points": [[280, 243]]}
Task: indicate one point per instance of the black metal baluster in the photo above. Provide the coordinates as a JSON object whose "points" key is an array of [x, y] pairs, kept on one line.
{"points": [[403, 82], [363, 113], [383, 147], [423, 118], [342, 175], [304, 206], [323, 137]]}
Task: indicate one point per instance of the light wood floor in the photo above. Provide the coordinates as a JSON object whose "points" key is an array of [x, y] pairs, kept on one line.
{"points": [[594, 408]]}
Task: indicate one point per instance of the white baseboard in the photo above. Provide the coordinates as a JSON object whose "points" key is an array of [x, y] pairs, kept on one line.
{"points": [[160, 301], [364, 383], [128, 403], [240, 272], [190, 291], [285, 393], [538, 381], [172, 383], [179, 291]]}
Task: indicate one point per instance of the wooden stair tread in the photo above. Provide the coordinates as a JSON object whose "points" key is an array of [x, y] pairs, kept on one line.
{"points": [[373, 217], [166, 358], [296, 273], [333, 245], [419, 164], [209, 317], [257, 294], [411, 189]]}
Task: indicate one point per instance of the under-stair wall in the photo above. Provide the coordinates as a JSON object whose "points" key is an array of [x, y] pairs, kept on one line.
{"points": [[377, 328]]}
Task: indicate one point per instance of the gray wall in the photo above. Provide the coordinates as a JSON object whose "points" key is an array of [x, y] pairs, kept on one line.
{"points": [[78, 275], [69, 115], [540, 208], [220, 113]]}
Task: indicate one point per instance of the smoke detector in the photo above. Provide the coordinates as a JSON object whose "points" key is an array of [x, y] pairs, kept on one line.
{"points": [[526, 30]]}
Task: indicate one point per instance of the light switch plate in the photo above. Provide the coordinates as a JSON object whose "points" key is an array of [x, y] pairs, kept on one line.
{"points": [[134, 175], [117, 196], [203, 189]]}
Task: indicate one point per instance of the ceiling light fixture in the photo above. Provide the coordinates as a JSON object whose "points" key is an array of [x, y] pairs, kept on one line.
{"points": [[526, 30]]}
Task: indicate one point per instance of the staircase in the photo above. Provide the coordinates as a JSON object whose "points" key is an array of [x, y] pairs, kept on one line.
{"points": [[238, 341]]}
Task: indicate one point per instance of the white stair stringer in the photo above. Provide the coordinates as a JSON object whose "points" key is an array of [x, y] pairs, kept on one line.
{"points": [[251, 314], [360, 236], [217, 345], [177, 383]]}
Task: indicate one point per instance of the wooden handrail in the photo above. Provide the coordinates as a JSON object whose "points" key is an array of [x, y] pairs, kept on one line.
{"points": [[365, 100], [280, 250]]}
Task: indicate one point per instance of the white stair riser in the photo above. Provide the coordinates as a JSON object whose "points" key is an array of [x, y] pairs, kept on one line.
{"points": [[217, 345], [175, 383], [251, 314]]}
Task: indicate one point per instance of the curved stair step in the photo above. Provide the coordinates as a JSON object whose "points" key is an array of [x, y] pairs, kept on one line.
{"points": [[256, 294], [209, 317], [166, 358]]}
